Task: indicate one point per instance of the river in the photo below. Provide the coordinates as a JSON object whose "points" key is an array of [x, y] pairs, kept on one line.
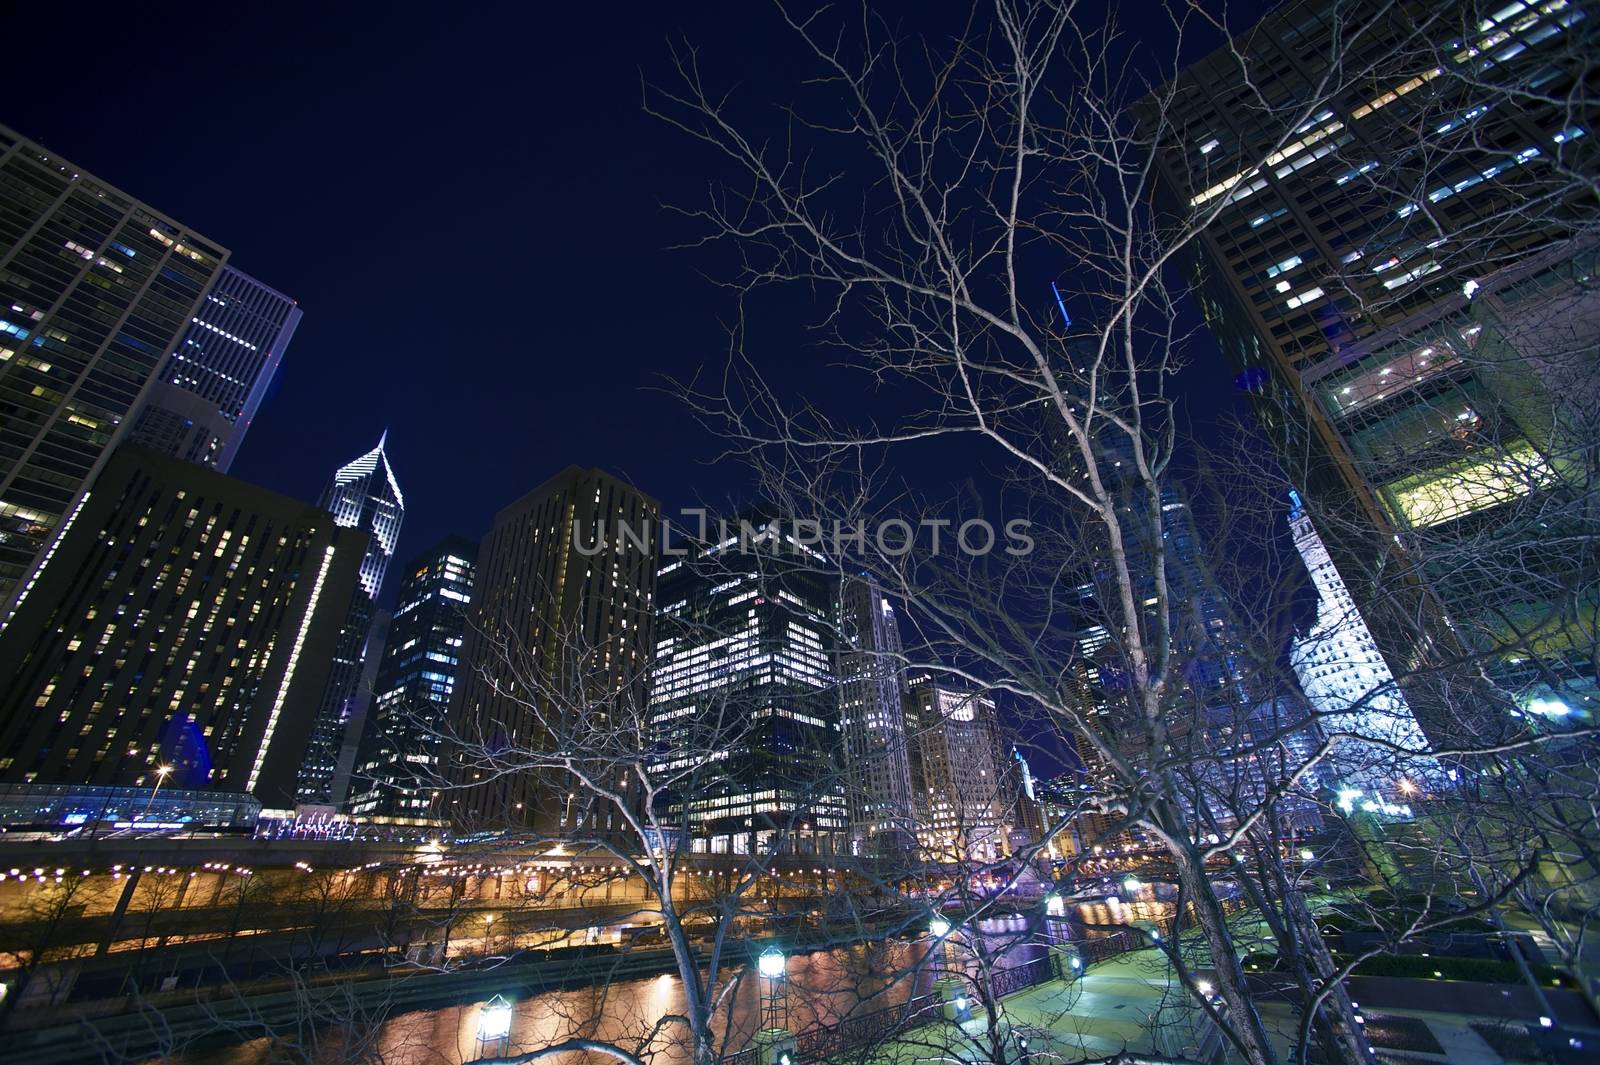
{"points": [[821, 987]]}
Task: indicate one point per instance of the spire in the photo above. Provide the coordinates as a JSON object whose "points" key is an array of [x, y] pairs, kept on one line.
{"points": [[384, 438]]}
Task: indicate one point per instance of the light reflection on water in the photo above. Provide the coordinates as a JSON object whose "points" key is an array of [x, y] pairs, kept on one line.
{"points": [[822, 987]]}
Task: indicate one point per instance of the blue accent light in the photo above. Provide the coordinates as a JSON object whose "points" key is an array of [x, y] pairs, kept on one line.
{"points": [[1253, 379], [1066, 319]]}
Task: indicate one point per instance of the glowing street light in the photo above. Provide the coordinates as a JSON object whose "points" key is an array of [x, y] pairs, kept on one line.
{"points": [[161, 778], [939, 927], [494, 1026], [771, 964]]}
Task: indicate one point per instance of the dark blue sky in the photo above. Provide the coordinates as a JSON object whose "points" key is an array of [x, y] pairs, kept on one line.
{"points": [[468, 209]]}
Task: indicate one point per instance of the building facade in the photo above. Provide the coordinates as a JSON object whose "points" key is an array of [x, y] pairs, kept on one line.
{"points": [[1348, 256], [363, 494], [872, 718], [180, 623], [963, 805], [744, 704], [1226, 690], [96, 289], [1349, 684], [202, 403], [563, 615], [398, 765]]}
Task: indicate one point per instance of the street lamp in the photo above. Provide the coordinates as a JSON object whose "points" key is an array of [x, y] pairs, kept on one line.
{"points": [[494, 1027], [771, 965], [161, 778]]}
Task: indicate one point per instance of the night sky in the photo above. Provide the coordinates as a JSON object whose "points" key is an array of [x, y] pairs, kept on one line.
{"points": [[469, 210]]}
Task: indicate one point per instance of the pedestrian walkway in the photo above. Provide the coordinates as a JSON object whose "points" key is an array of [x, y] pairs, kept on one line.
{"points": [[1129, 1005]]}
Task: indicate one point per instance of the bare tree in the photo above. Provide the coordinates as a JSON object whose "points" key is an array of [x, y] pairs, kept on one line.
{"points": [[925, 191]]}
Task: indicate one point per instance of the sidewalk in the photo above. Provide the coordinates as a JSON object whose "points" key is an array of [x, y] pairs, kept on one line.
{"points": [[1126, 1005]]}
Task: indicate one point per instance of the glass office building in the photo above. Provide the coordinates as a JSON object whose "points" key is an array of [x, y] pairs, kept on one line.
{"points": [[96, 290], [362, 495], [399, 751], [202, 404]]}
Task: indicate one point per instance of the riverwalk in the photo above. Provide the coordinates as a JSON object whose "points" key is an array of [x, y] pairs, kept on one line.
{"points": [[1129, 1005]]}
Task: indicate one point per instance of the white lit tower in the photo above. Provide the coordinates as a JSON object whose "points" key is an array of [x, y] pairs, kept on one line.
{"points": [[1349, 684], [362, 495], [872, 718]]}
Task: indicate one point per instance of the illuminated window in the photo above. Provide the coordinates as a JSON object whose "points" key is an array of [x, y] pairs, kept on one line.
{"points": [[1468, 486]]}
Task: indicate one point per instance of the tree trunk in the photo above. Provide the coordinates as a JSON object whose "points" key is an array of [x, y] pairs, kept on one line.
{"points": [[1230, 979]]}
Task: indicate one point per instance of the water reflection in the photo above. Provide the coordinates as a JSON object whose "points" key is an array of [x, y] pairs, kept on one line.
{"points": [[821, 988]]}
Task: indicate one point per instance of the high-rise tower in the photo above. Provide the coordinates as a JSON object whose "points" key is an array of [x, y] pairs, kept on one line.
{"points": [[962, 807], [872, 717], [563, 611], [182, 623], [399, 750], [95, 290], [205, 397], [1395, 240], [1346, 680], [362, 495], [744, 703]]}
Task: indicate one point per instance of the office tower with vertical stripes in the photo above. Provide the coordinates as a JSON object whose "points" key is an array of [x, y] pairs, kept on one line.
{"points": [[363, 494], [562, 614], [1347, 681], [872, 718], [176, 635], [202, 403]]}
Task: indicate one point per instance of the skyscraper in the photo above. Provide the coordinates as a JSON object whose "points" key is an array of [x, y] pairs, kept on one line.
{"points": [[399, 750], [1237, 719], [1345, 678], [560, 589], [872, 717], [201, 404], [95, 290], [744, 705], [1353, 259], [180, 622], [363, 494], [962, 806]]}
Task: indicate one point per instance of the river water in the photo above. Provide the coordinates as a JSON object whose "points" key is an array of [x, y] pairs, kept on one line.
{"points": [[820, 987]]}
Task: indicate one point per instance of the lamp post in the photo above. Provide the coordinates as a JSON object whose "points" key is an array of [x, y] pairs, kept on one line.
{"points": [[948, 987], [161, 778], [774, 1044], [771, 965], [939, 928], [494, 1027]]}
